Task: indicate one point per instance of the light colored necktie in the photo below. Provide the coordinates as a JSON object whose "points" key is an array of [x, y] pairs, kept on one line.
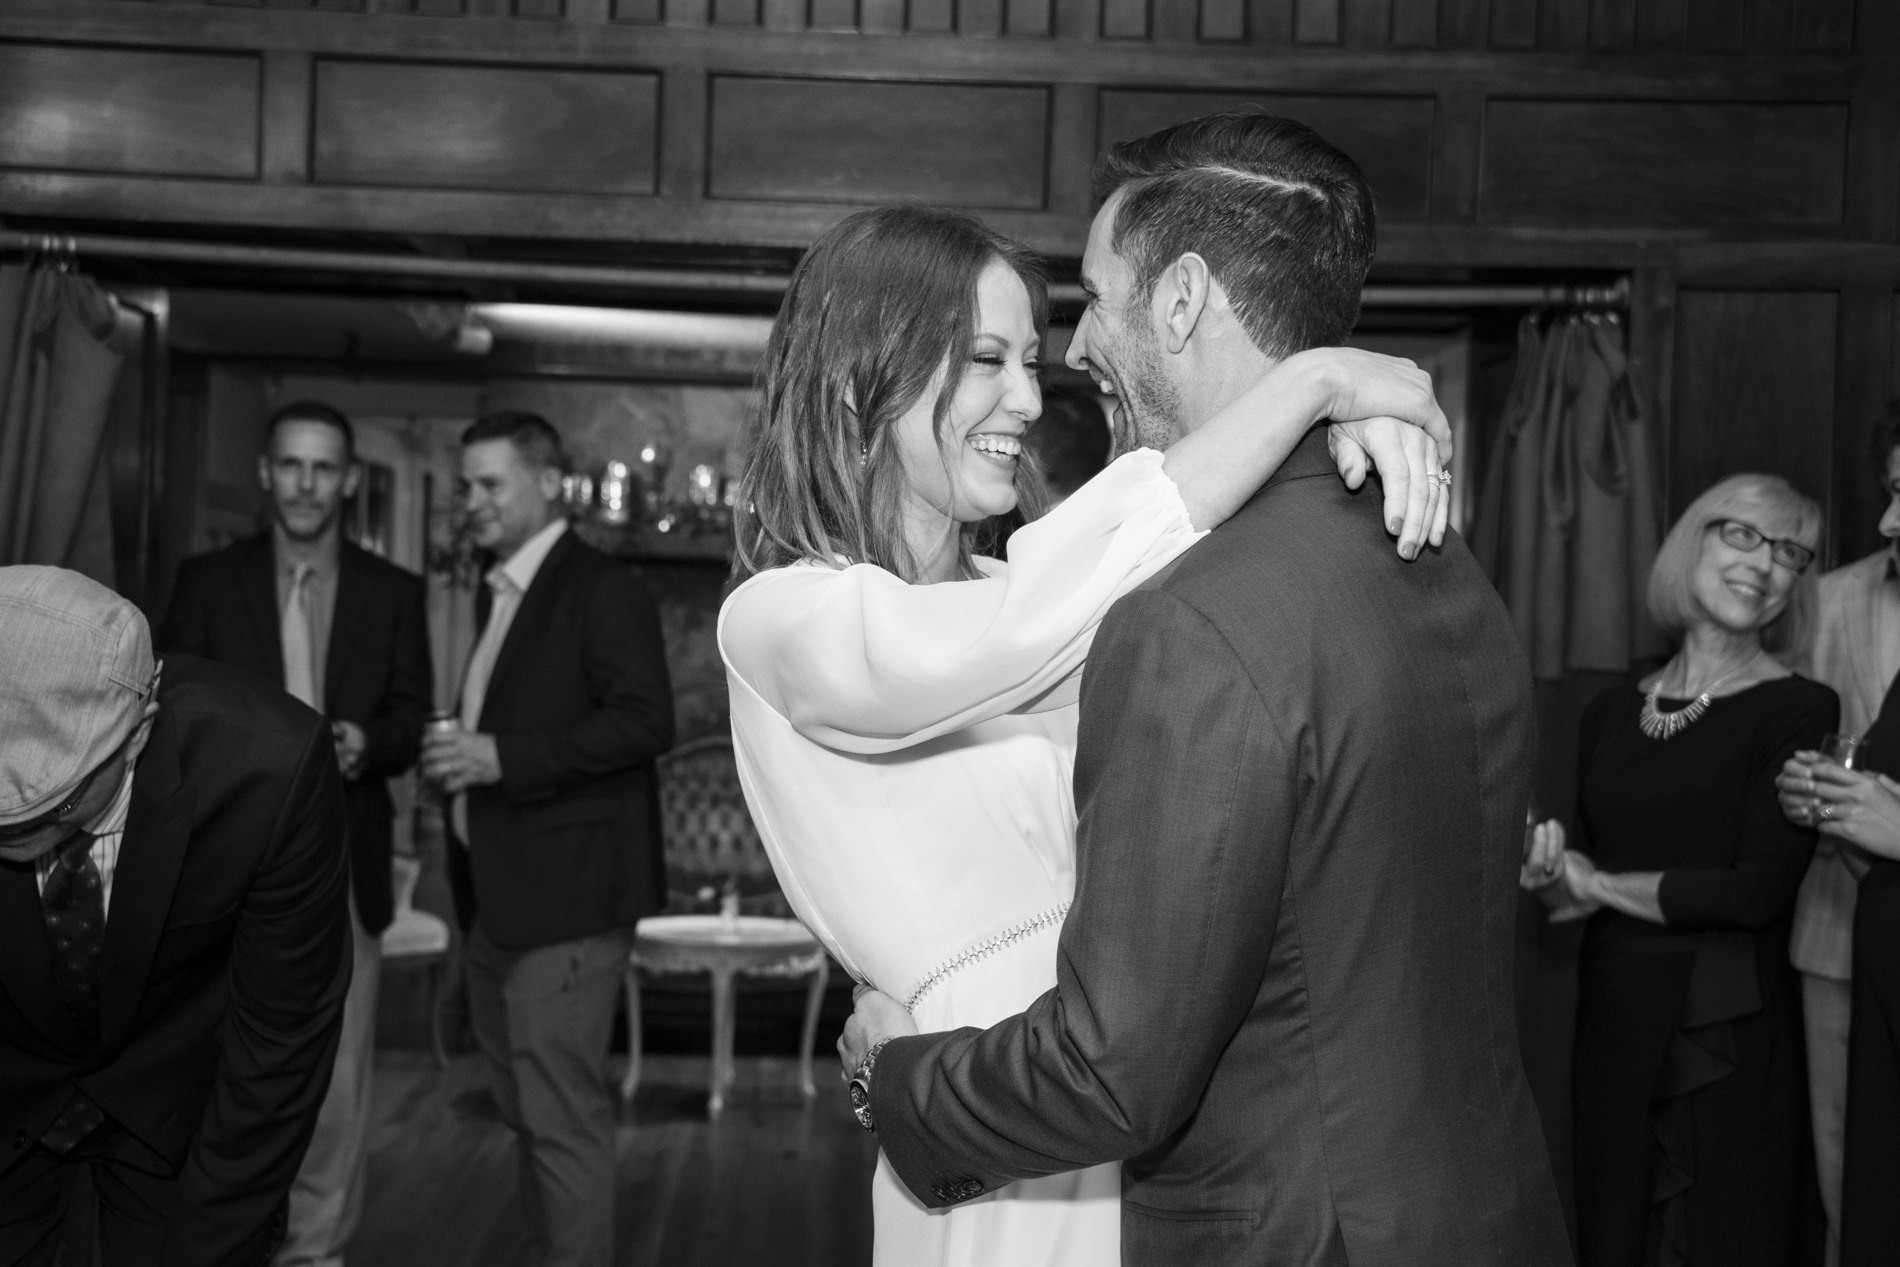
{"points": [[481, 664], [300, 673]]}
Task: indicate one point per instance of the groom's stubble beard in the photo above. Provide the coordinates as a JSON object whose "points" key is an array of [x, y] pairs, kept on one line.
{"points": [[1150, 404]]}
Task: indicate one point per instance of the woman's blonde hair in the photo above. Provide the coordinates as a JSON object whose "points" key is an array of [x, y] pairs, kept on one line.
{"points": [[1774, 507]]}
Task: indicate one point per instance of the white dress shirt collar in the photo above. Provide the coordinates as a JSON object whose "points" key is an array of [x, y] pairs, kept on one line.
{"points": [[522, 565]]}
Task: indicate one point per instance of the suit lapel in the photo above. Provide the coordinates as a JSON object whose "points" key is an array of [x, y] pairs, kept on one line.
{"points": [[151, 854], [259, 583], [29, 957], [533, 609], [350, 599]]}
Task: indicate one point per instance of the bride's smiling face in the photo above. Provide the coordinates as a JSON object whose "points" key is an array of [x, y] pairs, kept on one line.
{"points": [[969, 472]]}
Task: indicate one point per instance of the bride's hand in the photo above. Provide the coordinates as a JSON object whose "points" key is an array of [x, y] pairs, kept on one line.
{"points": [[1385, 415], [1417, 501]]}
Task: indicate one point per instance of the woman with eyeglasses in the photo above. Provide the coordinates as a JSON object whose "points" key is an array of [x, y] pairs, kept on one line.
{"points": [[1689, 1080]]}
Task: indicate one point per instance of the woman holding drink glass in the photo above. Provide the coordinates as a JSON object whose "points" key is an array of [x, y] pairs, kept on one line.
{"points": [[1844, 791], [1689, 1078]]}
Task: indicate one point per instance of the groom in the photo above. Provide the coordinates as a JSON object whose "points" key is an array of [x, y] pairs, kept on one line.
{"points": [[1284, 989]]}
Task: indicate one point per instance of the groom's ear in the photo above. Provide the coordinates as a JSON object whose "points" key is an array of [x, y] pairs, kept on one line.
{"points": [[1181, 297]]}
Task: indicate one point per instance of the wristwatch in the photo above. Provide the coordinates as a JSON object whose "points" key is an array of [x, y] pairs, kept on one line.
{"points": [[861, 1087]]}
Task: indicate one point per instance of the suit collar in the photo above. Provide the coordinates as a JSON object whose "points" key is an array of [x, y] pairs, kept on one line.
{"points": [[533, 607], [1310, 457], [352, 581], [151, 854], [258, 581]]}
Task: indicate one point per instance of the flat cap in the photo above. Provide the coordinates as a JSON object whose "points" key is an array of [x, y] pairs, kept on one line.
{"points": [[75, 672]]}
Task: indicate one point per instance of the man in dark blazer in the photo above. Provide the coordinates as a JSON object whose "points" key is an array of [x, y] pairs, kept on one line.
{"points": [[1284, 988], [347, 633], [555, 818], [173, 944]]}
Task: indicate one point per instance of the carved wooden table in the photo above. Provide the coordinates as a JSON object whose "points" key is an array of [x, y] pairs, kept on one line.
{"points": [[724, 946]]}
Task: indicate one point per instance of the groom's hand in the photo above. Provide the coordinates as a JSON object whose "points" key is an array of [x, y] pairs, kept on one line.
{"points": [[878, 1016]]}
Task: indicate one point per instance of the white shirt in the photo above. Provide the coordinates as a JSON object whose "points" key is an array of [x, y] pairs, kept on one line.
{"points": [[509, 581], [107, 829]]}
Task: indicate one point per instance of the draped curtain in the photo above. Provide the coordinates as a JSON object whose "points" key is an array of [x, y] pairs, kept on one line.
{"points": [[1570, 515], [58, 368]]}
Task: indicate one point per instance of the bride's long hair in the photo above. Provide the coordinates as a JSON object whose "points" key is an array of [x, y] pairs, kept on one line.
{"points": [[881, 310]]}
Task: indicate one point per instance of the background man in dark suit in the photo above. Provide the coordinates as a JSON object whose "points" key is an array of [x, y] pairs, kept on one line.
{"points": [[173, 954], [346, 633], [1284, 988], [556, 820]]}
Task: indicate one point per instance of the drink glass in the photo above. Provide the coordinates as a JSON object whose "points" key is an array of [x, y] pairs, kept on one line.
{"points": [[1845, 750]]}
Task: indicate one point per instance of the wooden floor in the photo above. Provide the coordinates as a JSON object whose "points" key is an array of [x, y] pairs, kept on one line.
{"points": [[775, 1181]]}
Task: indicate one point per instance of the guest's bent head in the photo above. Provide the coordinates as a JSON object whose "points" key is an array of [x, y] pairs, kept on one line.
{"points": [[898, 383], [1740, 561], [77, 694], [1886, 455], [512, 466], [1222, 246], [308, 467]]}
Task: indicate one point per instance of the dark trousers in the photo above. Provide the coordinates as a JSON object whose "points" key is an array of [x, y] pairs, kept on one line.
{"points": [[1870, 1168], [543, 1017]]}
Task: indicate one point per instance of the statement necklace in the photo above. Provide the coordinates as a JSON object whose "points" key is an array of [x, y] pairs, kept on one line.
{"points": [[1660, 725]]}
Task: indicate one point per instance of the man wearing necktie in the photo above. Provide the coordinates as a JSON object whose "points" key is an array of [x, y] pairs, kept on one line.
{"points": [[173, 953], [555, 820], [346, 633]]}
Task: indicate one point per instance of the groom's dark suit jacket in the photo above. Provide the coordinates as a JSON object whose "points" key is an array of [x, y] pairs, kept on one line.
{"points": [[1284, 989]]}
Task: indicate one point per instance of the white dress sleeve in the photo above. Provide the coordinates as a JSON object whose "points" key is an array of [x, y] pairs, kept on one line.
{"points": [[858, 660]]}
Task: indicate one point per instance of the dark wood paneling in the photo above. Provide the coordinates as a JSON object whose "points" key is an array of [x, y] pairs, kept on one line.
{"points": [[979, 17], [1863, 387], [1660, 24], [1513, 23], [821, 140], [1124, 19], [834, 15], [1564, 26], [1825, 26], [485, 127], [1754, 389], [933, 17], [1613, 25], [1694, 165], [1223, 20], [1368, 23], [1415, 23], [1715, 26], [1029, 17], [120, 110], [1389, 137], [1316, 21], [1270, 21]]}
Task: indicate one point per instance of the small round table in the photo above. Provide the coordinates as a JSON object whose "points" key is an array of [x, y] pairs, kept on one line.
{"points": [[724, 946]]}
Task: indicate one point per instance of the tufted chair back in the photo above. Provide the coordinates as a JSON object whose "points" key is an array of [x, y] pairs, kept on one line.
{"points": [[710, 840]]}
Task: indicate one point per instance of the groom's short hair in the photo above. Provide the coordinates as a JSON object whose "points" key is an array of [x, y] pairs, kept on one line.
{"points": [[1284, 220]]}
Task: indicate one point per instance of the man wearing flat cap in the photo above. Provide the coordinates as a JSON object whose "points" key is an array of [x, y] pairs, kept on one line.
{"points": [[173, 936]]}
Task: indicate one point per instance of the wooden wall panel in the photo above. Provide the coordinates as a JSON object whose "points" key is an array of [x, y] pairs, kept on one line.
{"points": [[827, 140], [1754, 389], [1689, 164], [485, 127], [75, 108], [1389, 137]]}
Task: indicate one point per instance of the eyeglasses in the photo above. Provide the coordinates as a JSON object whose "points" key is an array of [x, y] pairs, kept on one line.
{"points": [[1745, 537]]}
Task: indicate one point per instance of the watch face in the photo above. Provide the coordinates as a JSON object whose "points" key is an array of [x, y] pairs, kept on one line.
{"points": [[860, 1095]]}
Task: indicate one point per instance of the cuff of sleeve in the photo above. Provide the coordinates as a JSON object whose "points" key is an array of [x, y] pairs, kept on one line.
{"points": [[900, 1133]]}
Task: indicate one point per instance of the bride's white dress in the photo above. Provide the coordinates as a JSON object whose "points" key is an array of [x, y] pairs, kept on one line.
{"points": [[906, 751]]}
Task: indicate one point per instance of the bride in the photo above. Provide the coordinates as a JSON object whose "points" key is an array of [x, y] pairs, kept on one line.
{"points": [[903, 708]]}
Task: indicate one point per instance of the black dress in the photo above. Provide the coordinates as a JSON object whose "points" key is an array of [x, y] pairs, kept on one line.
{"points": [[1690, 1076], [1870, 1160]]}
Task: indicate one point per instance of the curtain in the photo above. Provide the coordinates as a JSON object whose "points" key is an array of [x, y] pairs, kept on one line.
{"points": [[1570, 515], [58, 368]]}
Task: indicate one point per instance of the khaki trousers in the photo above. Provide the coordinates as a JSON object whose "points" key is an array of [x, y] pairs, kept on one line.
{"points": [[542, 1018], [327, 1199]]}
